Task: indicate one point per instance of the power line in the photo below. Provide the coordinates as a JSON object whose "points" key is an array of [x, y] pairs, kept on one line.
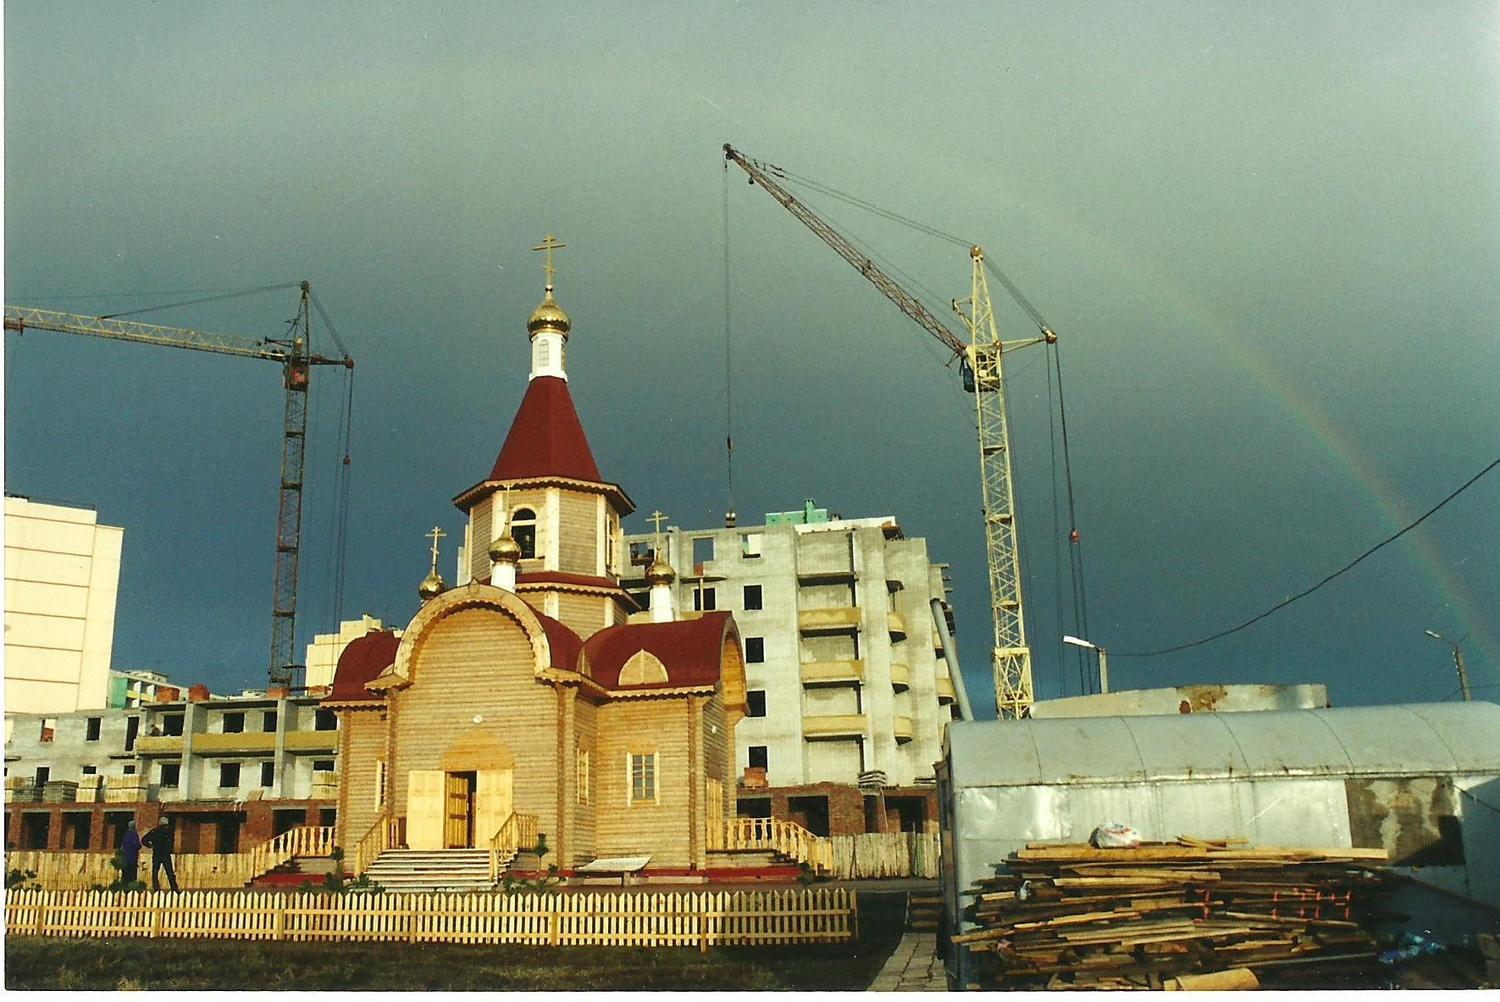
{"points": [[1308, 591]]}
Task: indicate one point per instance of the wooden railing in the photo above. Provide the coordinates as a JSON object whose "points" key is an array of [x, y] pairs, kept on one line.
{"points": [[729, 918], [304, 841], [518, 833], [775, 835], [386, 833], [68, 870]]}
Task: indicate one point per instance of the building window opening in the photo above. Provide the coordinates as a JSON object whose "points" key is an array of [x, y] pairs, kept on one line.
{"points": [[171, 725], [92, 732], [268, 774], [523, 531], [35, 830], [759, 757], [326, 720], [756, 700], [43, 773], [750, 544], [703, 549], [132, 731], [753, 807], [229, 776], [752, 598], [49, 730], [643, 778], [129, 770], [268, 722], [169, 776], [323, 765], [234, 723], [705, 600], [755, 650], [810, 812], [91, 770], [641, 554]]}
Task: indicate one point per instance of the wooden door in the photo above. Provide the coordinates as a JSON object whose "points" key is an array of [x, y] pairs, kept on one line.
{"points": [[493, 803], [458, 811], [424, 809]]}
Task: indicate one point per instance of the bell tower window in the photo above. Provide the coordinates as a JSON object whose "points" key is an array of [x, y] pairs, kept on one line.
{"points": [[523, 531]]}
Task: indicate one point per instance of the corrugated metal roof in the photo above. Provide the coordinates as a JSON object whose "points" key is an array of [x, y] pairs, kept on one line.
{"points": [[1404, 740]]}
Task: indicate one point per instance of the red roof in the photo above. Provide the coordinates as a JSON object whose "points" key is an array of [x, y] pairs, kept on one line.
{"points": [[364, 658], [564, 642], [546, 438], [690, 650]]}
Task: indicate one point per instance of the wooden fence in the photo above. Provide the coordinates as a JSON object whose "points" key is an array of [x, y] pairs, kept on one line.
{"points": [[896, 854], [701, 919], [80, 870]]}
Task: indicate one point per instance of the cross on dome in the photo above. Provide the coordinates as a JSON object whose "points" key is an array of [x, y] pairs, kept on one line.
{"points": [[548, 245], [435, 535]]}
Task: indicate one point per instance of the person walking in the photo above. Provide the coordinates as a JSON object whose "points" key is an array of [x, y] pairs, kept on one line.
{"points": [[130, 851], [160, 839]]}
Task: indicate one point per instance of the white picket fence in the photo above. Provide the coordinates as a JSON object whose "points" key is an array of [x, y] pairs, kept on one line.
{"points": [[701, 919]]}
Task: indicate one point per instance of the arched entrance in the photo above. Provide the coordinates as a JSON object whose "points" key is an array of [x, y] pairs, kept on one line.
{"points": [[464, 803]]}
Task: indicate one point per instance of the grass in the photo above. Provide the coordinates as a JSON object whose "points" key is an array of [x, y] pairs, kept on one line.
{"points": [[35, 963]]}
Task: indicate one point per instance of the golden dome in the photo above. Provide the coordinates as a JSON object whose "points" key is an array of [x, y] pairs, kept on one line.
{"points": [[505, 549], [549, 317], [431, 587], [660, 572]]}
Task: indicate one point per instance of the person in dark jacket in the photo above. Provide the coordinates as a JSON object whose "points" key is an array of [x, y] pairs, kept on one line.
{"points": [[159, 840], [130, 852]]}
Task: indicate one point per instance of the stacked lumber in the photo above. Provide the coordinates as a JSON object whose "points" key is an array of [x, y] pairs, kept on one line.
{"points": [[1164, 914]]}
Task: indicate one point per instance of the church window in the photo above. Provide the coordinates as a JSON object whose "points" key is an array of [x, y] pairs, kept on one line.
{"points": [[583, 776], [756, 698], [705, 600], [229, 776], [643, 778], [543, 354], [752, 598], [523, 531], [379, 783], [755, 650]]}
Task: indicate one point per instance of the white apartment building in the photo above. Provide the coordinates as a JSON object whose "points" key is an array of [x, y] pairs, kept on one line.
{"points": [[323, 653], [62, 576], [844, 659]]}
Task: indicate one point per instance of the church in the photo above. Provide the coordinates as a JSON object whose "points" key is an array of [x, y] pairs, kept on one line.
{"points": [[535, 687]]}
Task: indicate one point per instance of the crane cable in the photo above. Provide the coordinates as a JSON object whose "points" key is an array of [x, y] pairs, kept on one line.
{"points": [[235, 294], [1308, 591], [341, 492], [728, 370]]}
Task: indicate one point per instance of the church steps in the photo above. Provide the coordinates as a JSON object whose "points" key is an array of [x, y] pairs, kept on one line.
{"points": [[437, 870]]}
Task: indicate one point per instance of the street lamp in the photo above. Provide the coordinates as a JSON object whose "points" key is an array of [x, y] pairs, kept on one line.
{"points": [[1458, 662], [1103, 659]]}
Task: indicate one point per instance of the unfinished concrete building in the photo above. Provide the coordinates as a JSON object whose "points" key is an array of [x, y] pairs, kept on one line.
{"points": [[844, 623]]}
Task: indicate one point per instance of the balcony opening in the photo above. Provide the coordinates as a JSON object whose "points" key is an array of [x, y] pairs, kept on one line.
{"points": [[234, 723], [171, 725], [326, 720]]}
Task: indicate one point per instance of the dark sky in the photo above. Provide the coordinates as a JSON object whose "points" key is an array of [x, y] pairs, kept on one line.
{"points": [[1268, 235]]}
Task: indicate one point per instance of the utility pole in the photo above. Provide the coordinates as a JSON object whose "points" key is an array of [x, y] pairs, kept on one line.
{"points": [[1458, 663]]}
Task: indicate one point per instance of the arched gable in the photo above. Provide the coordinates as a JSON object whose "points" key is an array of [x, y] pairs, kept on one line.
{"points": [[475, 596], [643, 668]]}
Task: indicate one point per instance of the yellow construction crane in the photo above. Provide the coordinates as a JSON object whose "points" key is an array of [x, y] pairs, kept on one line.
{"points": [[295, 357], [981, 361]]}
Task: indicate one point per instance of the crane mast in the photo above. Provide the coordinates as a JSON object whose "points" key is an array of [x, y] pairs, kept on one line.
{"points": [[984, 375], [295, 357]]}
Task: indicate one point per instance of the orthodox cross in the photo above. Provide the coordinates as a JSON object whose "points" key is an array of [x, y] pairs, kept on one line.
{"points": [[549, 244], [435, 535], [657, 518]]}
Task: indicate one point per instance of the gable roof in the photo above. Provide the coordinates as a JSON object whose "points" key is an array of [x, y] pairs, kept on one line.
{"points": [[362, 660], [546, 438], [691, 651]]}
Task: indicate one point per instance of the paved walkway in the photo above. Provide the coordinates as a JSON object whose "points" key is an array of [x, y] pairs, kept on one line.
{"points": [[914, 967]]}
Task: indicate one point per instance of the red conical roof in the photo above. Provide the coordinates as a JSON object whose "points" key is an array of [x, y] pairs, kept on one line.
{"points": [[546, 438]]}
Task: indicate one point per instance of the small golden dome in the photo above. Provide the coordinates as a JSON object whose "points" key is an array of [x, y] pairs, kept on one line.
{"points": [[549, 317], [431, 587], [660, 572], [505, 550]]}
